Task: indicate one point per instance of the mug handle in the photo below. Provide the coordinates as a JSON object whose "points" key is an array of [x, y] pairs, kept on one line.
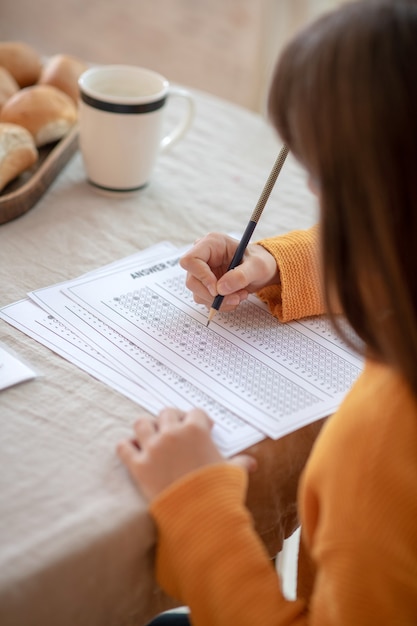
{"points": [[182, 127]]}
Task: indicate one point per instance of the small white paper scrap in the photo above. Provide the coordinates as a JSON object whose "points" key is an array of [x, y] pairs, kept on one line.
{"points": [[12, 370]]}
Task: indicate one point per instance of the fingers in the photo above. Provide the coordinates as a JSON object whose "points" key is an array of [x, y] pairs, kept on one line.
{"points": [[169, 418], [170, 447], [127, 452], [207, 266], [258, 269], [200, 263], [213, 250], [200, 279], [234, 281], [144, 429], [246, 461], [205, 263], [202, 293], [199, 418]]}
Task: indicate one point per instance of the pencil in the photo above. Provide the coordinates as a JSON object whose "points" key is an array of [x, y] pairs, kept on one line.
{"points": [[257, 212]]}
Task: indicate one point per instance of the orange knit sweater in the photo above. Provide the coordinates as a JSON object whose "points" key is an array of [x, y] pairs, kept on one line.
{"points": [[357, 501]]}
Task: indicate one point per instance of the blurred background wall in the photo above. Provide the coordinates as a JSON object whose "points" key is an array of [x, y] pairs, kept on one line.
{"points": [[225, 47]]}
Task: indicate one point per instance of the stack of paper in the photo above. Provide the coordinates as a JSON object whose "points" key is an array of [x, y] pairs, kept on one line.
{"points": [[135, 326]]}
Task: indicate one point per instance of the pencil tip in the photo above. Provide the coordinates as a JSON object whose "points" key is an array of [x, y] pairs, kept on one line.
{"points": [[211, 314]]}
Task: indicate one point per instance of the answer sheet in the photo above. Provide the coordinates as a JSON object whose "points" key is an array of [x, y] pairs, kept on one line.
{"points": [[230, 433], [277, 377]]}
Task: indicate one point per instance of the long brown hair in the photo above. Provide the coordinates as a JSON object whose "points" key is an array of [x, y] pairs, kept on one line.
{"points": [[344, 100]]}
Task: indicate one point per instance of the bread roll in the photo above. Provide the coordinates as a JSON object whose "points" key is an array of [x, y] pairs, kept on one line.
{"points": [[47, 112], [17, 152], [63, 71], [8, 85], [22, 61]]}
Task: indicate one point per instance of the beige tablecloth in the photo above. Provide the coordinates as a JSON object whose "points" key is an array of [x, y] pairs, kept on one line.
{"points": [[76, 543]]}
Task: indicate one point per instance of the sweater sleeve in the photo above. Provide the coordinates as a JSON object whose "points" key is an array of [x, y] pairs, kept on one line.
{"points": [[299, 293], [358, 514], [209, 556], [358, 507]]}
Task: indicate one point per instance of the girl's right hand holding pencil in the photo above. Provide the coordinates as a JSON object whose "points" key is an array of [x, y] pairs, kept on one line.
{"points": [[207, 262]]}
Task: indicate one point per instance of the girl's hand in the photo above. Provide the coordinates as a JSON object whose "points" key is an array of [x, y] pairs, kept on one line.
{"points": [[170, 447], [207, 262]]}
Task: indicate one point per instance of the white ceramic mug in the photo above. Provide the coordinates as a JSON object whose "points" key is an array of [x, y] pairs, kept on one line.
{"points": [[120, 124]]}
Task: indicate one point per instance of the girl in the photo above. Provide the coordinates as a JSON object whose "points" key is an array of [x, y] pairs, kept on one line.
{"points": [[344, 100]]}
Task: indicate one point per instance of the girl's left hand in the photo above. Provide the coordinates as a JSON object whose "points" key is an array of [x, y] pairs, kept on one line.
{"points": [[169, 447]]}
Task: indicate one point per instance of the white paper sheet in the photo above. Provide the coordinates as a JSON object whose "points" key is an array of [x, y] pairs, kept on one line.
{"points": [[34, 322]]}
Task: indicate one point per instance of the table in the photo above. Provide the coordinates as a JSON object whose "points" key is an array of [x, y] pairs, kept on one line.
{"points": [[76, 542]]}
